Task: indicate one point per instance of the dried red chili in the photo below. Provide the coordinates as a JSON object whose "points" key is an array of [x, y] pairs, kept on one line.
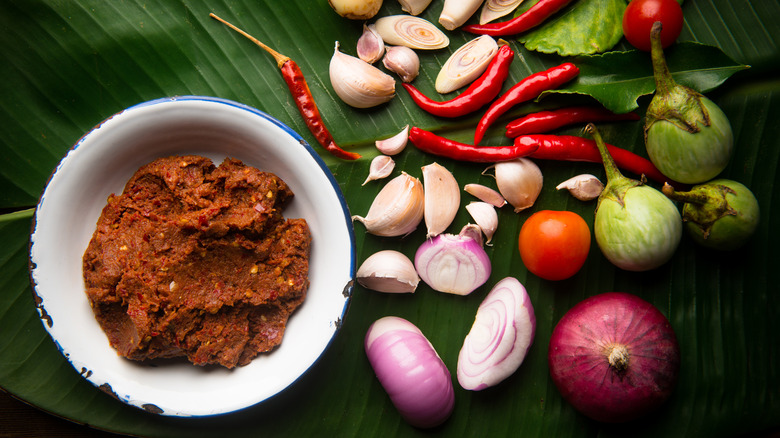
{"points": [[429, 142], [546, 121], [531, 18], [527, 89], [300, 91], [477, 95]]}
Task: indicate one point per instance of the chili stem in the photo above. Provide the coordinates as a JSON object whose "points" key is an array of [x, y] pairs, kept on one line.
{"points": [[280, 59]]}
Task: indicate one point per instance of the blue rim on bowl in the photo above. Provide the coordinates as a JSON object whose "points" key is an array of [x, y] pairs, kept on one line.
{"points": [[100, 163]]}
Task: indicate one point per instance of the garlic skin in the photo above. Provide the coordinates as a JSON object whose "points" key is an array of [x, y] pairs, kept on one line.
{"points": [[485, 216], [414, 7], [466, 64], [457, 12], [519, 182], [397, 209], [493, 9], [388, 271], [370, 47], [412, 32], [395, 144], [585, 187], [442, 198], [485, 194], [403, 61], [381, 167], [358, 83], [356, 9]]}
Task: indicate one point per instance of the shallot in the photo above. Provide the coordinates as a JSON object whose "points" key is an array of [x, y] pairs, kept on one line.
{"points": [[456, 264]]}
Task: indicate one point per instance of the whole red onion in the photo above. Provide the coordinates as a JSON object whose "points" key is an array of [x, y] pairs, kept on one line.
{"points": [[614, 357]]}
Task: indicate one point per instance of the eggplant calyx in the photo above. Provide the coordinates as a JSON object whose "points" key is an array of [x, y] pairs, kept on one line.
{"points": [[704, 204]]}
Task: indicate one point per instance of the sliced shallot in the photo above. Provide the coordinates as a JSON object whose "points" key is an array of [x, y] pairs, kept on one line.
{"points": [[466, 64], [410, 31]]}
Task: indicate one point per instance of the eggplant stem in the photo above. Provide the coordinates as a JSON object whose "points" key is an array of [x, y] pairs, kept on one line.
{"points": [[663, 77], [280, 59]]}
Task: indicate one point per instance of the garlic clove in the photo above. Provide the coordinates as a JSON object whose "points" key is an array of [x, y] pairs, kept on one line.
{"points": [[410, 31], [403, 61], [519, 182], [356, 9], [395, 144], [485, 216], [388, 271], [442, 198], [456, 12], [414, 7], [370, 47], [493, 9], [485, 194], [358, 83], [397, 209], [585, 187], [466, 64], [381, 167]]}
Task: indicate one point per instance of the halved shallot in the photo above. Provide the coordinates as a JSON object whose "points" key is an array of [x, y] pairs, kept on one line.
{"points": [[455, 264]]}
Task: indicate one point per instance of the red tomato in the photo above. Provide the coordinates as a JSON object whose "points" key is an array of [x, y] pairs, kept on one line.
{"points": [[554, 244], [640, 16]]}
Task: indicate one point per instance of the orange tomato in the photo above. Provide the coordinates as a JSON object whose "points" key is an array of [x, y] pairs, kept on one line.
{"points": [[554, 244]]}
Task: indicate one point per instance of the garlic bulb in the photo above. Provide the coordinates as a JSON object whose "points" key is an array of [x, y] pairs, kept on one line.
{"points": [[442, 198], [457, 12], [388, 271], [585, 187], [397, 209], [381, 167], [358, 83], [413, 32], [485, 194], [395, 144], [485, 216], [403, 61], [356, 9], [414, 7], [370, 47], [519, 182], [493, 9], [466, 64]]}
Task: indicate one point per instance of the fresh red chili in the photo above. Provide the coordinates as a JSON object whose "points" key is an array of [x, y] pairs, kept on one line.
{"points": [[573, 148], [477, 95], [429, 142], [300, 91], [546, 121], [531, 18], [527, 89]]}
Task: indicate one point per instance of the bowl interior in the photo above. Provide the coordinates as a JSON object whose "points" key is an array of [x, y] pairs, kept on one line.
{"points": [[101, 163]]}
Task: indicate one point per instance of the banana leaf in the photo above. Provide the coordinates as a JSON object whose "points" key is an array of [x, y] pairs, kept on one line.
{"points": [[67, 65]]}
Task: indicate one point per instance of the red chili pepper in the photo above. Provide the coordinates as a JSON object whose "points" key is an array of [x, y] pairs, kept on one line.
{"points": [[300, 91], [545, 121], [429, 142], [527, 89], [533, 17], [477, 95], [573, 148]]}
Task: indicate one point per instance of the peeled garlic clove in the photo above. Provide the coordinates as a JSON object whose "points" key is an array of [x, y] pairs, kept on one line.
{"points": [[381, 167], [585, 187], [442, 198], [388, 271], [358, 83], [485, 194], [485, 216], [414, 7], [370, 47], [493, 9], [397, 209], [466, 64], [394, 144], [519, 182], [403, 61], [413, 32], [456, 12]]}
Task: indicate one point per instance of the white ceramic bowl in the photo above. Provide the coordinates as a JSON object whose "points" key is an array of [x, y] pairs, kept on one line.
{"points": [[101, 163]]}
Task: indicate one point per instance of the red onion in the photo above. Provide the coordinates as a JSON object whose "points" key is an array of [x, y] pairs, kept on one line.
{"points": [[410, 371], [502, 333], [614, 357], [455, 264]]}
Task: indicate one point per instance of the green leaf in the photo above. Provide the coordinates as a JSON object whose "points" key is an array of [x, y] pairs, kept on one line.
{"points": [[619, 79], [588, 26]]}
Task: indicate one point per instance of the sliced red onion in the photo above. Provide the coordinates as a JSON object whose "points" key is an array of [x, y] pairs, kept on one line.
{"points": [[410, 371], [499, 340], [455, 264]]}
